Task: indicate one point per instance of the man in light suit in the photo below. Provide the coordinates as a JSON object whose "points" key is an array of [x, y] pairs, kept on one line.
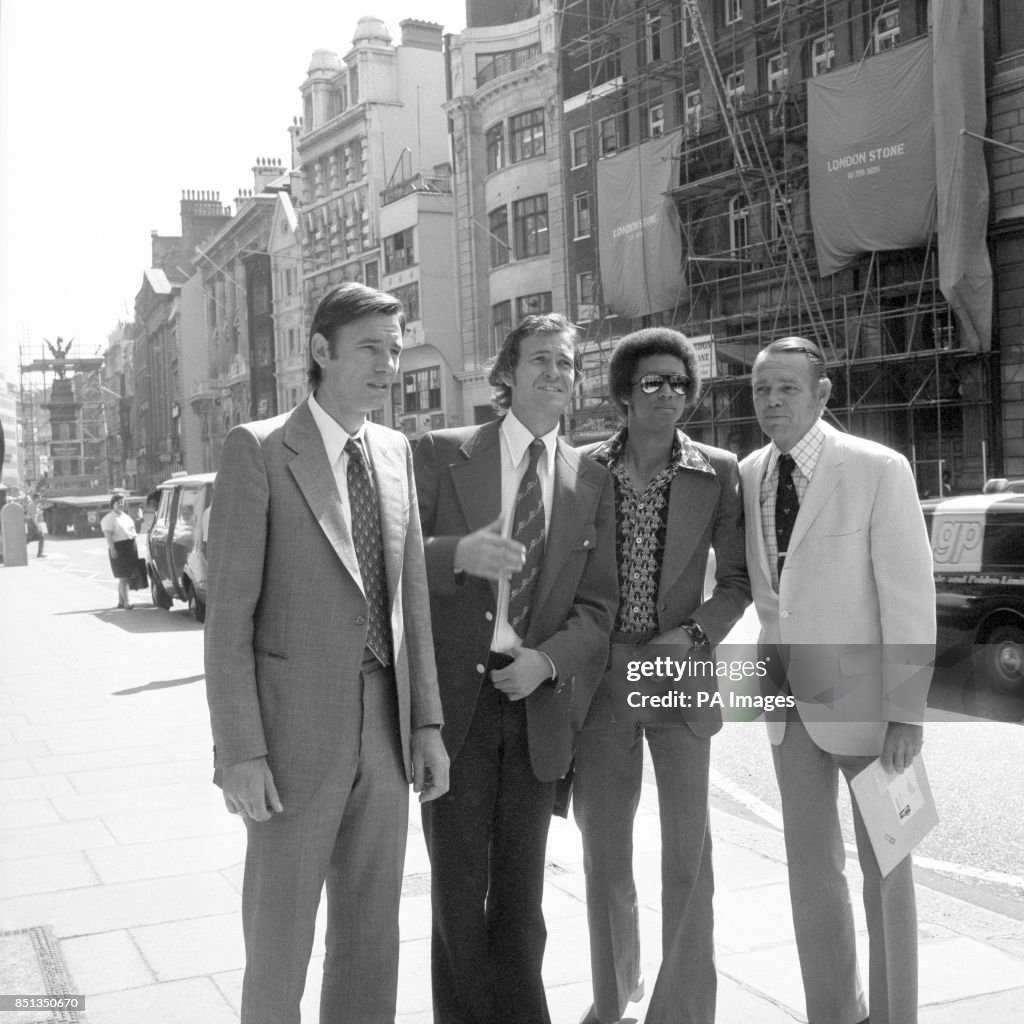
{"points": [[841, 571], [675, 499], [519, 535], [320, 671]]}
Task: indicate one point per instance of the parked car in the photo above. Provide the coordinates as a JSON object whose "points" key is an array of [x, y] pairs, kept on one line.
{"points": [[176, 542], [978, 552]]}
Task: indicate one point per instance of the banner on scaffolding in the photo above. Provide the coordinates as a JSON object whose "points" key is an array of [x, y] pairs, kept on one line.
{"points": [[638, 229], [871, 155], [965, 272]]}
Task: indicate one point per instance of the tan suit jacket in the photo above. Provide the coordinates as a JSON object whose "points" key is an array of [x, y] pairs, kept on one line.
{"points": [[286, 619], [856, 600]]}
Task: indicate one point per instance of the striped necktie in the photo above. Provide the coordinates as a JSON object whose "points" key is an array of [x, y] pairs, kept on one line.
{"points": [[528, 529]]}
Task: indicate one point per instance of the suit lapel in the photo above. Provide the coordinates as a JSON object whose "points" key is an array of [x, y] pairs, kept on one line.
{"points": [[752, 496], [315, 479], [572, 498], [825, 480], [691, 498], [477, 479]]}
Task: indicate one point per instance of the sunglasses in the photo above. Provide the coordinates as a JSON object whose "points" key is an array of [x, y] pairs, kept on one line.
{"points": [[651, 383]]}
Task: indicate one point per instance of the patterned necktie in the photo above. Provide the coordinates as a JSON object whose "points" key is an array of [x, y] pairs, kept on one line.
{"points": [[369, 551], [787, 505], [528, 529]]}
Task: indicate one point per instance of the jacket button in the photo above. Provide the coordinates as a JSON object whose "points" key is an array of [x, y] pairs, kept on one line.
{"points": [[360, 621], [480, 669], [784, 614], [488, 616], [586, 543]]}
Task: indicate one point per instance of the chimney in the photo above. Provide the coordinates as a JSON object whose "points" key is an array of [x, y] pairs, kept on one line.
{"points": [[264, 171], [421, 35]]}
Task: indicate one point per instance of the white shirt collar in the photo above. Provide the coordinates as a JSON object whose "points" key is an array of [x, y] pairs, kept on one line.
{"points": [[518, 440], [334, 434]]}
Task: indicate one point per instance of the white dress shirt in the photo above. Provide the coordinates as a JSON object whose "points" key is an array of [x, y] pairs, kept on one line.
{"points": [[515, 441]]}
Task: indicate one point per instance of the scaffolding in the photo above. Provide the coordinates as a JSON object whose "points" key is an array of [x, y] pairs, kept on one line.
{"points": [[63, 420], [734, 88]]}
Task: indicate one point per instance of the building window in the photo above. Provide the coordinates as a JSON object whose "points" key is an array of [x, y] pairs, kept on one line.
{"points": [[732, 11], [526, 135], [823, 54], [581, 214], [497, 225], [421, 389], [353, 85], [530, 224], [586, 299], [887, 28], [409, 296], [579, 147], [735, 87], [399, 252], [370, 276], [656, 121], [495, 147], [608, 132], [683, 29], [501, 323], [532, 305], [692, 113], [739, 210], [652, 37]]}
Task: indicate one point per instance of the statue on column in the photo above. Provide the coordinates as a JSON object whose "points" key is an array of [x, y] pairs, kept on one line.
{"points": [[59, 351]]}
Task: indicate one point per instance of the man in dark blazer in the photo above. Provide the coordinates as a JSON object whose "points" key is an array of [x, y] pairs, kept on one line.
{"points": [[509, 680], [847, 590], [320, 671], [675, 499]]}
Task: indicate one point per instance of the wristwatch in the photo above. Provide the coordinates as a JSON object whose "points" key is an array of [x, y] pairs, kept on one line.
{"points": [[696, 633]]}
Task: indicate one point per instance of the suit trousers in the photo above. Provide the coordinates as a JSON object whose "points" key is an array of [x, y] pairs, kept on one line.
{"points": [[609, 774], [350, 837], [822, 916], [487, 838]]}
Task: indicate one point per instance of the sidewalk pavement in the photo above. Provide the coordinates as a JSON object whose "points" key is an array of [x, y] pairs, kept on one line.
{"points": [[112, 834]]}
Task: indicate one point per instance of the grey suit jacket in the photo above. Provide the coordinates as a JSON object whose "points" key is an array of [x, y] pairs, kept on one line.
{"points": [[458, 478], [705, 511], [286, 617], [857, 598]]}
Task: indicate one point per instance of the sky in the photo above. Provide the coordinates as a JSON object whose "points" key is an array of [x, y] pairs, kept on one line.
{"points": [[110, 109]]}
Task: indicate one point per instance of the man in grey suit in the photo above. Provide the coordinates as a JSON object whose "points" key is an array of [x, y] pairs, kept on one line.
{"points": [[520, 544], [675, 499], [841, 573], [320, 671]]}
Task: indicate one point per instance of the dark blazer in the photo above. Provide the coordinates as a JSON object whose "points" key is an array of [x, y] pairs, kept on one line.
{"points": [[286, 619], [458, 480], [705, 510]]}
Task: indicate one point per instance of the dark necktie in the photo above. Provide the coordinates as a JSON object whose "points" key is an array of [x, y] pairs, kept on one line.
{"points": [[528, 529], [787, 505], [369, 551]]}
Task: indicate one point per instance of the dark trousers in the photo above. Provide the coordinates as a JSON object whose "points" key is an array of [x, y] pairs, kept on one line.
{"points": [[486, 838]]}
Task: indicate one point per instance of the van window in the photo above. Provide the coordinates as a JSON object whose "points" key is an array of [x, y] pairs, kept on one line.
{"points": [[163, 513], [187, 506]]}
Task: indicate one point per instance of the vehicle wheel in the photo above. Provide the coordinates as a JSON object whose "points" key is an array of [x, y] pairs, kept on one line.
{"points": [[196, 607], [1004, 656], [158, 594]]}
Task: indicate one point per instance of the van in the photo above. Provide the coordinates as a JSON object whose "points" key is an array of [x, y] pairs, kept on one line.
{"points": [[978, 556], [176, 542]]}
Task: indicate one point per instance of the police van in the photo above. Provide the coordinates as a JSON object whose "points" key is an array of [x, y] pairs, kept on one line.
{"points": [[978, 553]]}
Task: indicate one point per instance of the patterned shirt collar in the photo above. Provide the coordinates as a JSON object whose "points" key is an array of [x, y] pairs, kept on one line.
{"points": [[805, 452], [685, 454]]}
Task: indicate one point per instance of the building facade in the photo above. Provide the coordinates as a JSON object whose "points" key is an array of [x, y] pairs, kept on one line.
{"points": [[724, 83], [510, 217]]}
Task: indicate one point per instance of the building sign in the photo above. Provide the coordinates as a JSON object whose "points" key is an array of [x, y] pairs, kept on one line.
{"points": [[65, 449], [706, 360], [638, 230], [871, 155]]}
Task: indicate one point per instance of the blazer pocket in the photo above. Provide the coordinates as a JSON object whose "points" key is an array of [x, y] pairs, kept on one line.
{"points": [[837, 534], [586, 540], [265, 653]]}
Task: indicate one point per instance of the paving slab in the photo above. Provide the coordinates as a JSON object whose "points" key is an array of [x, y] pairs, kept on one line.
{"points": [[49, 873], [174, 1002], [167, 857], [107, 962], [33, 787], [139, 776], [40, 840], [193, 947]]}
